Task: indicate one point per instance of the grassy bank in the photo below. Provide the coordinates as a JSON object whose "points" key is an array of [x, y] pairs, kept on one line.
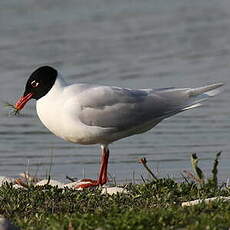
{"points": [[155, 204], [152, 205]]}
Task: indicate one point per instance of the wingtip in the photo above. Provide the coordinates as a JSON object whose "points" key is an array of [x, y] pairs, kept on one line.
{"points": [[217, 85], [215, 89], [211, 90]]}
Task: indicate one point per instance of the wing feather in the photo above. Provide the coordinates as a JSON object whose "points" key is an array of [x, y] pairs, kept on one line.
{"points": [[123, 108], [113, 107]]}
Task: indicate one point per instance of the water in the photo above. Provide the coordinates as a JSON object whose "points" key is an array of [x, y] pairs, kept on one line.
{"points": [[137, 44]]}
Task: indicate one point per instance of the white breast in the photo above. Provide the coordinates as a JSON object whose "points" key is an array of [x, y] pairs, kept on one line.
{"points": [[58, 110], [49, 108]]}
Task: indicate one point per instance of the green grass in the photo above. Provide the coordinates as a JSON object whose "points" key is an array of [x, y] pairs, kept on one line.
{"points": [[153, 205]]}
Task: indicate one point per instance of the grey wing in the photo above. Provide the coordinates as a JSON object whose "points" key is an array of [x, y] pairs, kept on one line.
{"points": [[121, 108], [112, 107]]}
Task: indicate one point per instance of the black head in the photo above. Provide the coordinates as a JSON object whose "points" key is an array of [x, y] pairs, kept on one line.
{"points": [[40, 82], [38, 85]]}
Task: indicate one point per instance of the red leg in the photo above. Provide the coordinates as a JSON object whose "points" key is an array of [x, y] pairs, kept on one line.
{"points": [[105, 177], [104, 164], [102, 178]]}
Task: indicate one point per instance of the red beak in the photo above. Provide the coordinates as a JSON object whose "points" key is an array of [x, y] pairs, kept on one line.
{"points": [[22, 101]]}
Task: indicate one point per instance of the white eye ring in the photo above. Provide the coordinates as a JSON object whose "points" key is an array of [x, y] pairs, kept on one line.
{"points": [[34, 84]]}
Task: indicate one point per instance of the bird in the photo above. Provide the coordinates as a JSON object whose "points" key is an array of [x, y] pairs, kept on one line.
{"points": [[90, 114]]}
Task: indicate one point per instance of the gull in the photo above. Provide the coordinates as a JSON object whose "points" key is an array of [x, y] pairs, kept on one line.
{"points": [[95, 114]]}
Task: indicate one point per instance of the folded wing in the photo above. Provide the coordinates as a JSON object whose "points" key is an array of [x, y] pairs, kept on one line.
{"points": [[121, 108]]}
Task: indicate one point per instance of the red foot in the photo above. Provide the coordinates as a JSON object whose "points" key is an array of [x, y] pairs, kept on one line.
{"points": [[88, 180], [87, 183], [102, 179]]}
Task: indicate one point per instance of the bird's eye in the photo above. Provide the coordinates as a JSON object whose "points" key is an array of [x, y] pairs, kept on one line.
{"points": [[34, 84]]}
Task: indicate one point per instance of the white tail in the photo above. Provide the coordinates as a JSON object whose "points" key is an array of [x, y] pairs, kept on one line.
{"points": [[210, 90], [197, 95]]}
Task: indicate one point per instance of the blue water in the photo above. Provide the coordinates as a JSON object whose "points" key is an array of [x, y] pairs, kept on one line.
{"points": [[136, 44]]}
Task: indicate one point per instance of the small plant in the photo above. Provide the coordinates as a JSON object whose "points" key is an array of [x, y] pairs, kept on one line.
{"points": [[198, 175], [214, 178], [14, 110], [143, 161]]}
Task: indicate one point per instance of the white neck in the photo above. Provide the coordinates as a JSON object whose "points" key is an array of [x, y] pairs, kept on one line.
{"points": [[56, 89], [48, 105], [60, 82]]}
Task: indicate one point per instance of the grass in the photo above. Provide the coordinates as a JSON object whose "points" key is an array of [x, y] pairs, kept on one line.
{"points": [[154, 204], [14, 110]]}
